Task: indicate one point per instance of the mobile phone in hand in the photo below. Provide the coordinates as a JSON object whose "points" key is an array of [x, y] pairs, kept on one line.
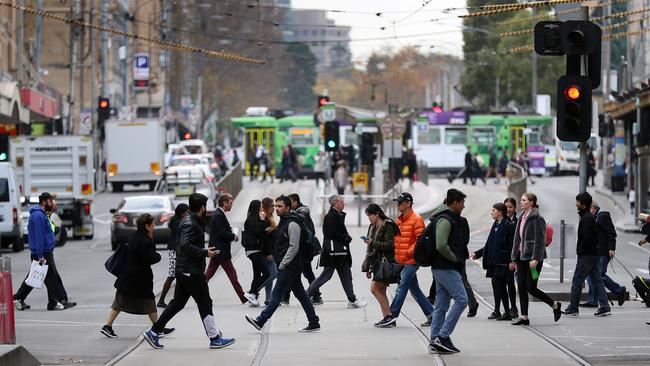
{"points": [[363, 237]]}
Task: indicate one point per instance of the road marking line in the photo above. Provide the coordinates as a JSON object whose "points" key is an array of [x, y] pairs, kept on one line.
{"points": [[103, 222], [643, 270], [62, 322], [547, 265], [636, 245]]}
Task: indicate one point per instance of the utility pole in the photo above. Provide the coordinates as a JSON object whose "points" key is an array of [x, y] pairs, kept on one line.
{"points": [[73, 66], [37, 47], [534, 67], [105, 49], [21, 43], [584, 13], [497, 106], [606, 90], [151, 22]]}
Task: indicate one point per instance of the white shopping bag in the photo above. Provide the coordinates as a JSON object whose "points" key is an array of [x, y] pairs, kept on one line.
{"points": [[36, 275]]}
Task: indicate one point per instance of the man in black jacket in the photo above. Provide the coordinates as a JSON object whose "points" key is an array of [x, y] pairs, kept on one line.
{"points": [[587, 261], [288, 236], [190, 280], [336, 253], [221, 237], [606, 251]]}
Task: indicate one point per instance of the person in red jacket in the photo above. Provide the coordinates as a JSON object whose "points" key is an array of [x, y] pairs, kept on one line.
{"points": [[411, 225]]}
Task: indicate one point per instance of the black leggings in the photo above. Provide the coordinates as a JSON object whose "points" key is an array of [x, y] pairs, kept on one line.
{"points": [[499, 288], [260, 272], [529, 286]]}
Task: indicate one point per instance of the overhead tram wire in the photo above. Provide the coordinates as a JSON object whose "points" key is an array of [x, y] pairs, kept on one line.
{"points": [[230, 56], [521, 6]]}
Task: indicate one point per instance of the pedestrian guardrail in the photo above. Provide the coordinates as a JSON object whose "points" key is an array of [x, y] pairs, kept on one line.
{"points": [[362, 200], [517, 177], [232, 182]]}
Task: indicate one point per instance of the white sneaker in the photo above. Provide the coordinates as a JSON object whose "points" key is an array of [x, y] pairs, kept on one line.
{"points": [[252, 300], [357, 304]]}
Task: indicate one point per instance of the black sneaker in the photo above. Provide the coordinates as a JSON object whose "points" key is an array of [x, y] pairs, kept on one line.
{"points": [[165, 332], [621, 297], [494, 315], [388, 322], [284, 302], [315, 327], [587, 305], [316, 300], [107, 330], [445, 344], [21, 305], [432, 349], [570, 312], [426, 323], [472, 311], [69, 304], [603, 312], [254, 322]]}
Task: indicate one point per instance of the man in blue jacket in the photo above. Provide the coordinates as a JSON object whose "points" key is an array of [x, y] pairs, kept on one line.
{"points": [[41, 246]]}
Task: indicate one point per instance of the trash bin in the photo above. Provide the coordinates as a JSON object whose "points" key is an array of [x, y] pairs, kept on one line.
{"points": [[7, 324]]}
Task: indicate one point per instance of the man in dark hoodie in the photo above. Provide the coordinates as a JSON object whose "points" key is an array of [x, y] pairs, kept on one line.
{"points": [[451, 234], [287, 255], [41, 246], [587, 264], [190, 280]]}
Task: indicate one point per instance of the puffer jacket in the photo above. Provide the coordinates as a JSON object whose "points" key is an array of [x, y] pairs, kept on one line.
{"points": [[410, 226]]}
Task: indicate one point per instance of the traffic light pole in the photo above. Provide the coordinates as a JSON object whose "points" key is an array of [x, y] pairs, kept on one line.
{"points": [[583, 179]]}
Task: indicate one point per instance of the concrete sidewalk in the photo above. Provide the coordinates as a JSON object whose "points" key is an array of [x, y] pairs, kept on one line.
{"points": [[347, 336]]}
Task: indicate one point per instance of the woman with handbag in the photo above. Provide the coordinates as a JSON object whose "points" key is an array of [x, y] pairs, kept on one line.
{"points": [[252, 240], [496, 259], [134, 285], [380, 255]]}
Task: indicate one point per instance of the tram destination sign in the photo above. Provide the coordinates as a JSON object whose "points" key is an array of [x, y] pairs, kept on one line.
{"points": [[445, 118]]}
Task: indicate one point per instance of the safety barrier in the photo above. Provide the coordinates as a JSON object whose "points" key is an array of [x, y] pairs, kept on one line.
{"points": [[7, 323], [232, 182], [517, 178], [423, 172]]}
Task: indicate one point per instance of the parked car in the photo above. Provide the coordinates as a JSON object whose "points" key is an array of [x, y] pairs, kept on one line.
{"points": [[10, 223], [179, 182], [125, 215]]}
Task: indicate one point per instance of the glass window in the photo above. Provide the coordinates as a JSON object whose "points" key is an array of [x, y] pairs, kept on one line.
{"points": [[350, 137], [145, 203], [314, 32], [483, 136], [430, 137], [568, 145], [534, 139], [455, 136], [302, 137], [4, 190], [322, 32]]}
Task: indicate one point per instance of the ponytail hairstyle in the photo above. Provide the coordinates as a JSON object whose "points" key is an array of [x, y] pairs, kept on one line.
{"points": [[532, 197], [374, 209], [501, 207]]}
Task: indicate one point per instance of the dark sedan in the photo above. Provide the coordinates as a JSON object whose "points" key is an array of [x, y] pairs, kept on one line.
{"points": [[127, 211]]}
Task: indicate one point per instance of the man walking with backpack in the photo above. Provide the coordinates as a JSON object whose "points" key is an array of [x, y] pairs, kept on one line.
{"points": [[290, 248], [606, 251], [447, 265], [587, 264], [336, 253], [410, 226]]}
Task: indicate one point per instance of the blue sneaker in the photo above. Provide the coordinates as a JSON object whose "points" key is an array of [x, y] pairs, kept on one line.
{"points": [[221, 342], [152, 339]]}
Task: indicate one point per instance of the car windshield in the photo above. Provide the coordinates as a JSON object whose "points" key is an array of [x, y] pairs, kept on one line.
{"points": [[144, 204], [193, 149], [185, 161], [4, 190]]}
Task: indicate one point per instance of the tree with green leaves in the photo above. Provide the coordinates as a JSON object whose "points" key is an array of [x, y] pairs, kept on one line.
{"points": [[299, 77]]}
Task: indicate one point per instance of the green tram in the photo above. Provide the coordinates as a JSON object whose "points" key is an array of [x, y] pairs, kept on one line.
{"points": [[275, 134]]}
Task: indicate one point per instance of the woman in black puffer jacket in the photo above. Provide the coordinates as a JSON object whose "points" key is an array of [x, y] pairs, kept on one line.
{"points": [[253, 240]]}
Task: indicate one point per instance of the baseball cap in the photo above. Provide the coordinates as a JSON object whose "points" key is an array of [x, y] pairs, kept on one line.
{"points": [[45, 196], [405, 196]]}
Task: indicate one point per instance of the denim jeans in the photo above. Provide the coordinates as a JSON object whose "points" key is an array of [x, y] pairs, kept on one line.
{"points": [[610, 284], [268, 284], [587, 265], [345, 275], [409, 281], [288, 280], [449, 285]]}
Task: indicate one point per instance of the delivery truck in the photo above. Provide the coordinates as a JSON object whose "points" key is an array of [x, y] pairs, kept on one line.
{"points": [[134, 152]]}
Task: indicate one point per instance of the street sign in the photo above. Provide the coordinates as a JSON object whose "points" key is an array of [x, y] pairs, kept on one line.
{"points": [[393, 126], [141, 71], [327, 112], [85, 122], [360, 182]]}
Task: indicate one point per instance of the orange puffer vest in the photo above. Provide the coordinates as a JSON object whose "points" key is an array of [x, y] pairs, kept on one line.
{"points": [[410, 227]]}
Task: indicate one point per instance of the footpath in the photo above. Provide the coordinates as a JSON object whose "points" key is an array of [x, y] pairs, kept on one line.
{"points": [[347, 336]]}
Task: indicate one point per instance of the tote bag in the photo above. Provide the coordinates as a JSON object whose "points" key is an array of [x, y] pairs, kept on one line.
{"points": [[37, 273]]}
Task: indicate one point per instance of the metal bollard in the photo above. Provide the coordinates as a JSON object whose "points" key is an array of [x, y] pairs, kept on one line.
{"points": [[7, 322], [359, 209], [562, 240]]}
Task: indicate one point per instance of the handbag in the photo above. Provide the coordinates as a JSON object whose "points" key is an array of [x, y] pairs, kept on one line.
{"points": [[36, 276], [115, 263], [387, 272]]}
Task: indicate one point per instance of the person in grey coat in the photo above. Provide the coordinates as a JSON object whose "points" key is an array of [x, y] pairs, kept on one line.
{"points": [[528, 253]]}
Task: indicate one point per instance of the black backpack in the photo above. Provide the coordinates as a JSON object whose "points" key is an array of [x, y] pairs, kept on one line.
{"points": [[307, 239], [425, 246]]}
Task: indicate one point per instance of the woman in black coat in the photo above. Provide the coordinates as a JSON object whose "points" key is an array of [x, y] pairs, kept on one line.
{"points": [[180, 212], [134, 285], [253, 240], [496, 258]]}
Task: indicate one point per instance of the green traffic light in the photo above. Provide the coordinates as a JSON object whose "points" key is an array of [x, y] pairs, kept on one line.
{"points": [[3, 156], [331, 144]]}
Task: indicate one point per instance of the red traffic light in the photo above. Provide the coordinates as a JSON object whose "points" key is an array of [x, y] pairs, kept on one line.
{"points": [[436, 109], [572, 93], [187, 136], [103, 103], [322, 100]]}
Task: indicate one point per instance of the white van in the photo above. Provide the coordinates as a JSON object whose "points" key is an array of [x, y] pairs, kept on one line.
{"points": [[195, 146], [10, 223]]}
